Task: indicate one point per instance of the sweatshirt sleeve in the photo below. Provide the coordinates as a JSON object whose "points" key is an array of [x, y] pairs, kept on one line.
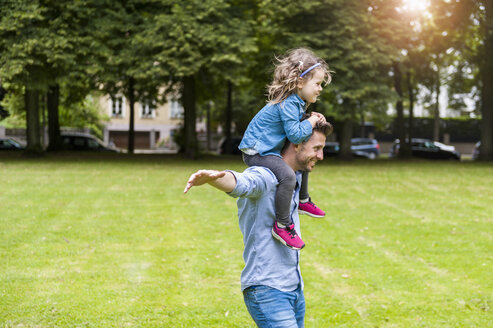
{"points": [[249, 184]]}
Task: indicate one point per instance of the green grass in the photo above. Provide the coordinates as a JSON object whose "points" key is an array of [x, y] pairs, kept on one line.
{"points": [[111, 241]]}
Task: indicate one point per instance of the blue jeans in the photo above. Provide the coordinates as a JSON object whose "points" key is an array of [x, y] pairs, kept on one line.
{"points": [[271, 308]]}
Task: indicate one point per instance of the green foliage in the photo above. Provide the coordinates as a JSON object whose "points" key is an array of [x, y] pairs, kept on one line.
{"points": [[194, 35], [84, 114], [43, 42], [150, 44], [125, 51], [14, 104]]}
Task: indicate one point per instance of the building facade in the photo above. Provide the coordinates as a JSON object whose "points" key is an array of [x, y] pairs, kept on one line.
{"points": [[155, 124]]}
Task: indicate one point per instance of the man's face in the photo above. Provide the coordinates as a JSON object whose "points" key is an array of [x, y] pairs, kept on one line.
{"points": [[310, 152]]}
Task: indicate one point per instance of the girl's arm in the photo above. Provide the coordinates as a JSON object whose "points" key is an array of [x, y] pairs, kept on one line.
{"points": [[296, 131]]}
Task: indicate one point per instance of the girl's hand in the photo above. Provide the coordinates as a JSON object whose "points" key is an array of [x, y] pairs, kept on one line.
{"points": [[320, 117], [313, 119]]}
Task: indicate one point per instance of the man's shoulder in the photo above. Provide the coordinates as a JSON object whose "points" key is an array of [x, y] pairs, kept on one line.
{"points": [[264, 172], [254, 182]]}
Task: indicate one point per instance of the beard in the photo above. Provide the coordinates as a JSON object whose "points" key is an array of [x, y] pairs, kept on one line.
{"points": [[307, 163]]}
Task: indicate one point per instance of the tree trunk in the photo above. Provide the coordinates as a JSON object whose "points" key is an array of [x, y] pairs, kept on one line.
{"points": [[31, 99], [362, 125], [3, 112], [190, 117], [209, 107], [345, 152], [53, 97], [486, 149], [401, 131], [410, 90], [131, 125], [436, 116], [42, 107], [228, 118]]}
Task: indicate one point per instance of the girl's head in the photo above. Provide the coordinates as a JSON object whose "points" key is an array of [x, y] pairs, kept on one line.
{"points": [[299, 71]]}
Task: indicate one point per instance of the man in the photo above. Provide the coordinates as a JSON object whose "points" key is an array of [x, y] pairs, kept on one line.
{"points": [[271, 280]]}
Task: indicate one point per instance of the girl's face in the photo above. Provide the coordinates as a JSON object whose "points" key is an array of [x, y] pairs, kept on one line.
{"points": [[309, 90]]}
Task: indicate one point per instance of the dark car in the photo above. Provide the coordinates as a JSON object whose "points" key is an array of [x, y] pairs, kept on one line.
{"points": [[426, 148], [83, 142], [360, 147], [10, 144], [331, 148]]}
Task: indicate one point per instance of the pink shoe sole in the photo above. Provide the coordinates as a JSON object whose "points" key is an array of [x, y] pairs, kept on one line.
{"points": [[283, 241], [310, 209], [310, 214]]}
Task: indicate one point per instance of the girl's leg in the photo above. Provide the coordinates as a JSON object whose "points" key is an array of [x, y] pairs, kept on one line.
{"points": [[306, 206], [287, 182], [304, 195]]}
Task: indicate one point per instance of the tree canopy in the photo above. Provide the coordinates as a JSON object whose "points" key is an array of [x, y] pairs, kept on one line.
{"points": [[220, 52]]}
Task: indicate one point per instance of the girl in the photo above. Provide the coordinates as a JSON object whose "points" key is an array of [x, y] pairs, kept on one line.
{"points": [[297, 83]]}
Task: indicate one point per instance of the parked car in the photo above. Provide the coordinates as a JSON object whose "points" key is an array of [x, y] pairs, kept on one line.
{"points": [[426, 148], [84, 142], [365, 147], [10, 144], [475, 151], [331, 148], [360, 147]]}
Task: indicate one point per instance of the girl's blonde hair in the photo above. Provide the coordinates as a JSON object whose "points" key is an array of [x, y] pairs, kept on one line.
{"points": [[288, 70]]}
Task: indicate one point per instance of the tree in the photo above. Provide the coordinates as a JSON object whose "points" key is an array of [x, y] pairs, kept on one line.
{"points": [[42, 44], [486, 151], [126, 63], [473, 23], [211, 35]]}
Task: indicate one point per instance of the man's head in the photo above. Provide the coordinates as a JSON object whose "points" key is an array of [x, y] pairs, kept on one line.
{"points": [[304, 155]]}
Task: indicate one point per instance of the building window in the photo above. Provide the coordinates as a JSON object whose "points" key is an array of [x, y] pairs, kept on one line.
{"points": [[117, 106], [148, 109], [175, 109]]}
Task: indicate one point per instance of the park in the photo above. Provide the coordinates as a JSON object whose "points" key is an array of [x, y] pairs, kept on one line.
{"points": [[104, 236], [112, 242]]}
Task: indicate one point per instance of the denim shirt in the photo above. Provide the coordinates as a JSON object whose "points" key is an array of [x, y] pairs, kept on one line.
{"points": [[268, 130], [267, 261]]}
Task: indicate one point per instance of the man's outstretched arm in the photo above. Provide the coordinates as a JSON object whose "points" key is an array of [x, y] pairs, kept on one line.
{"points": [[222, 180]]}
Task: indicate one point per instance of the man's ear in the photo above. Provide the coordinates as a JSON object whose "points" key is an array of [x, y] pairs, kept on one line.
{"points": [[297, 148]]}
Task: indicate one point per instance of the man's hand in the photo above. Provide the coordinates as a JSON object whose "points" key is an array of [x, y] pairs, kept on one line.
{"points": [[203, 176]]}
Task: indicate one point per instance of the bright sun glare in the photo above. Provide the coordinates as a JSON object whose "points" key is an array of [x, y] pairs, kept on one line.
{"points": [[415, 5]]}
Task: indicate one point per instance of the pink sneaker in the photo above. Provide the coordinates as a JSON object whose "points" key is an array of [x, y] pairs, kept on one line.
{"points": [[288, 236], [311, 209]]}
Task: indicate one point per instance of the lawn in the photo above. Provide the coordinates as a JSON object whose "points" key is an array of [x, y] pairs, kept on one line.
{"points": [[111, 241]]}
